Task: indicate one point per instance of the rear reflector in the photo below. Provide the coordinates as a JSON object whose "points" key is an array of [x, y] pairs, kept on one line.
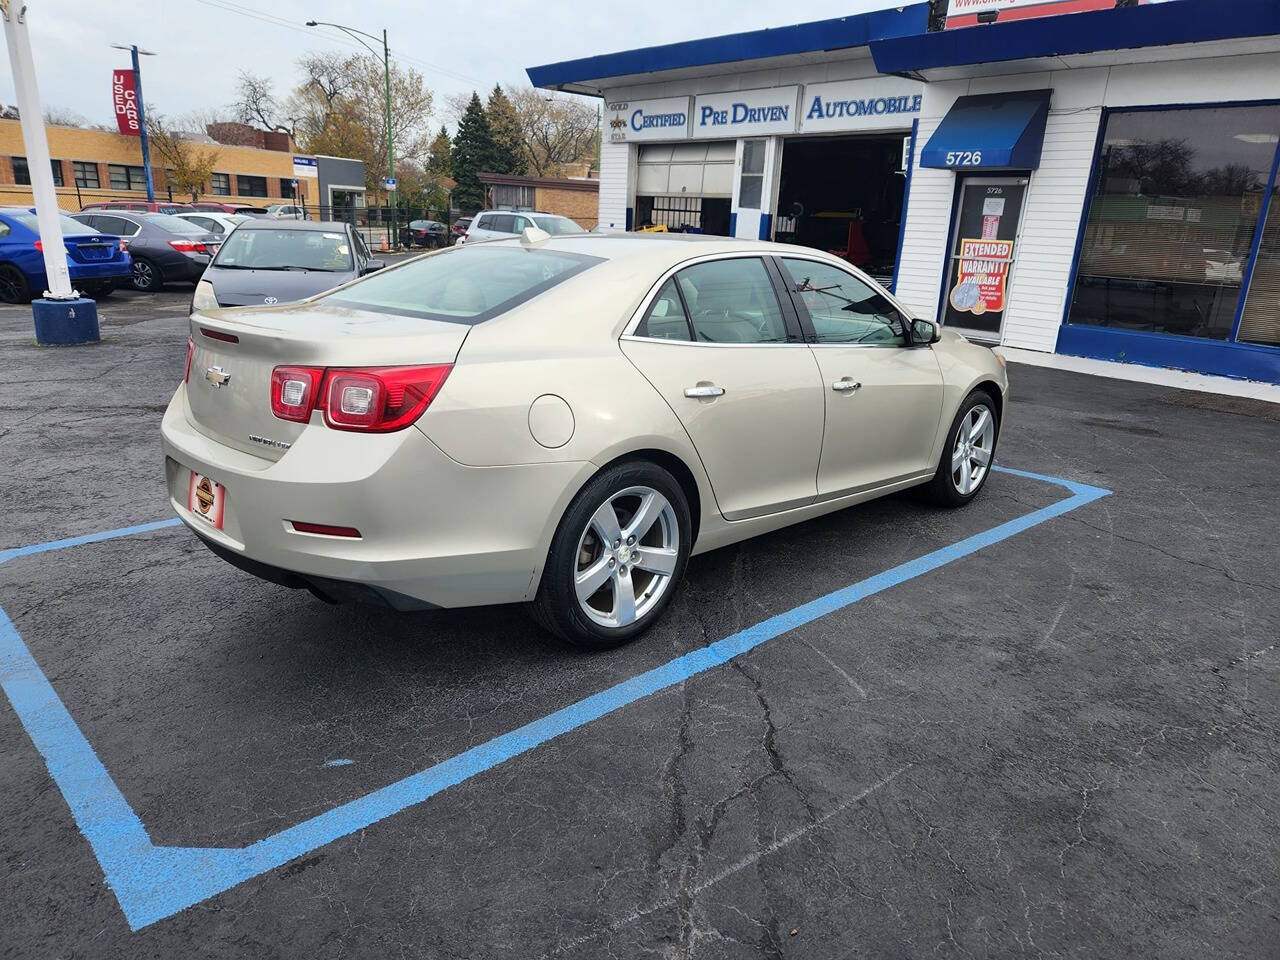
{"points": [[191, 349], [324, 529], [219, 335]]}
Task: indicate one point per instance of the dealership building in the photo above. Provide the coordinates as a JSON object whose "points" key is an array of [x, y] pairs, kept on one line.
{"points": [[1076, 177]]}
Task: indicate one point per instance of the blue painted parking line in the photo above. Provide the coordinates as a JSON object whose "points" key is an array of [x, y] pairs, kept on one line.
{"points": [[154, 882], [16, 552]]}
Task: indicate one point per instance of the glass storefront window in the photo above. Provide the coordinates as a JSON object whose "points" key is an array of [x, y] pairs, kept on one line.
{"points": [[1261, 320], [1172, 219]]}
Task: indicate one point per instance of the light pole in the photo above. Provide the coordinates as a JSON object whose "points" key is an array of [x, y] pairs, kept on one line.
{"points": [[142, 115], [386, 75]]}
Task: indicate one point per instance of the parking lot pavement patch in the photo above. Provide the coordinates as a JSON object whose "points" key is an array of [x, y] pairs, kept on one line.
{"points": [[152, 882]]}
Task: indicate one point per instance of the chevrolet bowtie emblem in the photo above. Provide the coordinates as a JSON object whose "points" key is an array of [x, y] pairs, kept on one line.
{"points": [[217, 376]]}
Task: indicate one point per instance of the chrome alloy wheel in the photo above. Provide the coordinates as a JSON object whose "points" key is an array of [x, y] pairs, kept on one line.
{"points": [[971, 456], [626, 556]]}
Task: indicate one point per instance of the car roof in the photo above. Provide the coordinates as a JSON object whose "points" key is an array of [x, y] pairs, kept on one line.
{"points": [[325, 226], [662, 247]]}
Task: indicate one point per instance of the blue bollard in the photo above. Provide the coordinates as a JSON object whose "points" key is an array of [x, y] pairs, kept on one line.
{"points": [[65, 322]]}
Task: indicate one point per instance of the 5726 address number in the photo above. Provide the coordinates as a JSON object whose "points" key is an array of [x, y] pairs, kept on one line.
{"points": [[964, 158]]}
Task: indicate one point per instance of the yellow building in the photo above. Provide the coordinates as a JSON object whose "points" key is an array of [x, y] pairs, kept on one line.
{"points": [[97, 165]]}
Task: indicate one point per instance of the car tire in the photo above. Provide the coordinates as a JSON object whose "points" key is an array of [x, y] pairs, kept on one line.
{"points": [[646, 503], [13, 285], [968, 454], [146, 275]]}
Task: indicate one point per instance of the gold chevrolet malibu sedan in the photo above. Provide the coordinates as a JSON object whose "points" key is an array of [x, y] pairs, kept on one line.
{"points": [[564, 421]]}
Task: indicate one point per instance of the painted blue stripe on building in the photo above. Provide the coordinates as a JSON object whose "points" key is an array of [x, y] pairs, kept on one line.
{"points": [[153, 882]]}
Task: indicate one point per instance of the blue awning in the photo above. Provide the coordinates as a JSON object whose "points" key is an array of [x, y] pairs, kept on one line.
{"points": [[993, 131]]}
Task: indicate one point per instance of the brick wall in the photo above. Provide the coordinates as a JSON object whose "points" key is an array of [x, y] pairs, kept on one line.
{"points": [[580, 206], [104, 148]]}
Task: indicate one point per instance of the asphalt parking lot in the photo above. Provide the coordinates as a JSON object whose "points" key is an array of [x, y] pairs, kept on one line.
{"points": [[1064, 742]]}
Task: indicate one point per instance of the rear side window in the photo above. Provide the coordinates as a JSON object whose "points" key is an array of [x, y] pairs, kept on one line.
{"points": [[503, 223], [732, 301], [666, 319], [463, 284]]}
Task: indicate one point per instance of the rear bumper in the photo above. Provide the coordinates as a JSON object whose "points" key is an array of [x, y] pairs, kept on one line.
{"points": [[109, 270], [184, 267], [432, 530]]}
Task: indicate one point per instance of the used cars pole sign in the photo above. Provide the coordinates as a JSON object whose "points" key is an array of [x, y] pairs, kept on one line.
{"points": [[124, 99], [665, 119], [746, 113]]}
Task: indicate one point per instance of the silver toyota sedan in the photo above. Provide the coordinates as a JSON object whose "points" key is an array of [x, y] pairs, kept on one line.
{"points": [[564, 421]]}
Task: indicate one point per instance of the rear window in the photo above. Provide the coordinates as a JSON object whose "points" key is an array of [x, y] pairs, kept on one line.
{"points": [[558, 225], [173, 224], [68, 225], [463, 284]]}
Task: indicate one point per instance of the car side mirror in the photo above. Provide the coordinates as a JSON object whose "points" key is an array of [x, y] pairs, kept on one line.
{"points": [[925, 331], [372, 265]]}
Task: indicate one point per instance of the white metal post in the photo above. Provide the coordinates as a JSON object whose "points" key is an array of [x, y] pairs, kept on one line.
{"points": [[37, 146]]}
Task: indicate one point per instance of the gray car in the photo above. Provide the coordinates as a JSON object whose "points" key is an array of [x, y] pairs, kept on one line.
{"points": [[278, 261], [164, 248]]}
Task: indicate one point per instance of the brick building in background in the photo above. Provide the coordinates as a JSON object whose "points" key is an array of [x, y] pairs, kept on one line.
{"points": [[577, 198], [95, 165]]}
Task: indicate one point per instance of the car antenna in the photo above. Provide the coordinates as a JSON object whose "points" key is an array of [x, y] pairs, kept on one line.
{"points": [[532, 236]]}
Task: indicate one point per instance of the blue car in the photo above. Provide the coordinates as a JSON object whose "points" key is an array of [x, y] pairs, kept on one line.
{"points": [[98, 262]]}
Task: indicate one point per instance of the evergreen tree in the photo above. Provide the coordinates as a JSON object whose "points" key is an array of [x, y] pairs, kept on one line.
{"points": [[473, 153], [508, 140], [440, 155]]}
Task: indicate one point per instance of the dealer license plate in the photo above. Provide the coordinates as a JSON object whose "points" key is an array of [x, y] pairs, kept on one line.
{"points": [[206, 498]]}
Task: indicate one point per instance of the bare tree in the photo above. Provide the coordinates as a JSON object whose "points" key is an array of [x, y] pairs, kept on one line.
{"points": [[256, 104], [558, 132], [188, 165], [62, 117]]}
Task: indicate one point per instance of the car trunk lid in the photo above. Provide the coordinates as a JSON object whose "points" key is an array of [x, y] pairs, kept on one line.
{"points": [[235, 351]]}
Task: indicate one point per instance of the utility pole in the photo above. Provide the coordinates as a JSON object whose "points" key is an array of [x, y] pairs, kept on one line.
{"points": [[61, 316]]}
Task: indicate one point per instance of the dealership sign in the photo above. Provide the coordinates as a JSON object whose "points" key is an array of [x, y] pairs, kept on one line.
{"points": [[881, 103], [125, 101], [306, 167], [969, 13], [666, 119], [746, 113]]}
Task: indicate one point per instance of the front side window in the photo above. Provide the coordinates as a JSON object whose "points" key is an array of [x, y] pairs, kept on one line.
{"points": [[666, 319], [268, 249], [220, 184], [842, 308], [86, 173], [467, 284], [1172, 218], [732, 301]]}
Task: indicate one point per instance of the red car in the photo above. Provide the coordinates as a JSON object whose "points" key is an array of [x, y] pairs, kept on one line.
{"points": [[139, 206]]}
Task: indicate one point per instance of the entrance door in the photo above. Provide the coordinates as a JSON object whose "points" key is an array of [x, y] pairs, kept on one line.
{"points": [[716, 344], [984, 247]]}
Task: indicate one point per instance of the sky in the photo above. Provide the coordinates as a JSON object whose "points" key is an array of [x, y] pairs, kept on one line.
{"points": [[201, 45]]}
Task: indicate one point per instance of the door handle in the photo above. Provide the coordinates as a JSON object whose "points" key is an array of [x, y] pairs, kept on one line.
{"points": [[703, 390], [846, 384]]}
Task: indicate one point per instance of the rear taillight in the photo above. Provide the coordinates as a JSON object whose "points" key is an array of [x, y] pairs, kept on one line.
{"points": [[191, 351], [188, 246], [124, 244], [39, 247], [371, 399], [379, 399], [294, 391]]}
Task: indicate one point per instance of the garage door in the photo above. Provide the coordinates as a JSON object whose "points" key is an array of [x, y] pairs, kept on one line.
{"points": [[686, 169]]}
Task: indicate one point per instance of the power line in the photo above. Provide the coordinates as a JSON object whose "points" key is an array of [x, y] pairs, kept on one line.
{"points": [[230, 7]]}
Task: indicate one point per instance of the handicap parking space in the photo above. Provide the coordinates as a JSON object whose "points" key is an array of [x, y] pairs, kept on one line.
{"points": [[1061, 741]]}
